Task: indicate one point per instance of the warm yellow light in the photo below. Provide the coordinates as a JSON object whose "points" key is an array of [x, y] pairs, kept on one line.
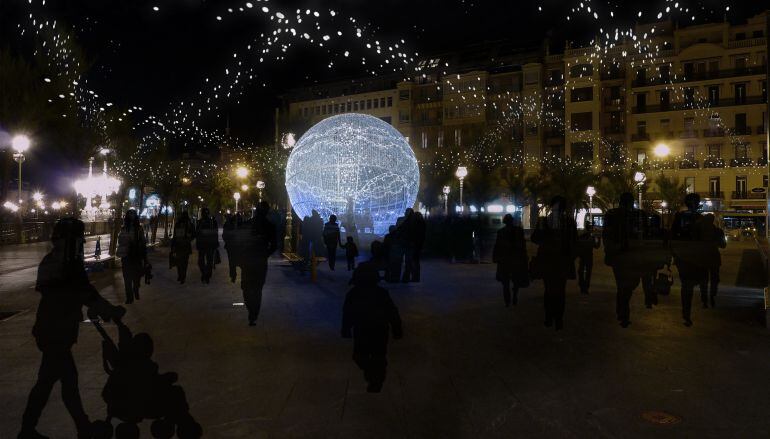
{"points": [[242, 172], [237, 196], [244, 187], [662, 150]]}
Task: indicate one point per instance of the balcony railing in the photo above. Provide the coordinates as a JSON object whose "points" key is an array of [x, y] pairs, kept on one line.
{"points": [[712, 194], [741, 162], [679, 106], [608, 131], [614, 103], [688, 134], [701, 76], [739, 44], [741, 131], [718, 132], [746, 195], [714, 163], [640, 137], [689, 164], [762, 161]]}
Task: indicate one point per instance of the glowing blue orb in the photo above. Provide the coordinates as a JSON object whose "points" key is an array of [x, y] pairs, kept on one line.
{"points": [[355, 166]]}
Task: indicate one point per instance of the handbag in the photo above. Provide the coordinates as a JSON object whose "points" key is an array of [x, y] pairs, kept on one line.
{"points": [[663, 281]]}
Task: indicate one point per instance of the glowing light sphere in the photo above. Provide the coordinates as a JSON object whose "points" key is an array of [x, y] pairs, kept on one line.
{"points": [[355, 166]]}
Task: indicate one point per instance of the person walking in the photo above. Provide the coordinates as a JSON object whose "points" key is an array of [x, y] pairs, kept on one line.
{"points": [[510, 254], [368, 315], [181, 245], [331, 237], [555, 237], [132, 250], [351, 252], [625, 228], [405, 231], [684, 245], [207, 243], [64, 286], [230, 230], [420, 231], [258, 243], [713, 238], [586, 243]]}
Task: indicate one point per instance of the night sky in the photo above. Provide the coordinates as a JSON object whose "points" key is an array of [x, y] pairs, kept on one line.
{"points": [[155, 59]]}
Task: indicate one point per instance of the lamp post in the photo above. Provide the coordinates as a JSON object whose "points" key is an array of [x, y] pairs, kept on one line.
{"points": [[640, 178], [591, 191], [260, 186], [446, 199], [242, 172], [661, 150], [20, 143], [236, 197], [461, 173]]}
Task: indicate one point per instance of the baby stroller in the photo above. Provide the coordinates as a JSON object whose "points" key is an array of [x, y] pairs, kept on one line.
{"points": [[135, 391]]}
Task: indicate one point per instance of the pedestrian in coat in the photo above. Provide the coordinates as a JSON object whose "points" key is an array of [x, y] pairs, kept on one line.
{"points": [[510, 254], [258, 243], [64, 286], [207, 244], [368, 316], [586, 243], [181, 245], [713, 239], [132, 250], [331, 236], [230, 235], [687, 252], [351, 252], [555, 237]]}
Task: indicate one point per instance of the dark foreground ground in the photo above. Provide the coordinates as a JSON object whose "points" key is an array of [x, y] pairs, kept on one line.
{"points": [[467, 367]]}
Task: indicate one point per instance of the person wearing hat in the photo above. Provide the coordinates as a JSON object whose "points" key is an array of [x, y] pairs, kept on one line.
{"points": [[64, 286], [368, 315]]}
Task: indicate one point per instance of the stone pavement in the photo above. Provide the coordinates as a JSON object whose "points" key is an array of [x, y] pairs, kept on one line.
{"points": [[466, 368]]}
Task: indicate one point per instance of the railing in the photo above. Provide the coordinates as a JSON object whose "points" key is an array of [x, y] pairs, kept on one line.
{"points": [[38, 231], [613, 130], [712, 194], [741, 162], [689, 164], [746, 195], [614, 103], [688, 134], [708, 132], [738, 44], [741, 131], [700, 76], [762, 161], [714, 163], [639, 137]]}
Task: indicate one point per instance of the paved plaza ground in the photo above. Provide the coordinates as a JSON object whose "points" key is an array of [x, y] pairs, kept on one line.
{"points": [[466, 368]]}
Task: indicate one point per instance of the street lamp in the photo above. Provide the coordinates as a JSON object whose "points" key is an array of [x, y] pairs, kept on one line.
{"points": [[461, 173], [260, 186], [446, 200], [244, 187], [661, 150], [639, 178], [20, 144], [236, 197], [242, 172], [591, 191]]}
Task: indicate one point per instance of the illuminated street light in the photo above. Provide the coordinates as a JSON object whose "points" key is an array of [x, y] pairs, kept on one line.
{"points": [[236, 197], [242, 172], [591, 191], [244, 187], [461, 173], [662, 150], [260, 186], [288, 141], [640, 178], [21, 143], [37, 196]]}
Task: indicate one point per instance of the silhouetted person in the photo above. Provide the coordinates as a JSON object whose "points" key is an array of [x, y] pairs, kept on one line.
{"points": [[331, 236], [406, 235], [510, 254], [231, 231], [625, 229], [392, 264], [555, 236], [207, 243], [132, 250], [181, 245], [367, 316], [419, 230], [684, 244], [351, 252], [713, 238], [63, 283], [256, 247], [586, 243], [313, 229]]}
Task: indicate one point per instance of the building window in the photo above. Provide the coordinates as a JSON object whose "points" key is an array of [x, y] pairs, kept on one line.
{"points": [[740, 63], [390, 101], [740, 36], [741, 186], [349, 106], [689, 96], [741, 150], [714, 189], [757, 34], [458, 137], [403, 116], [581, 70], [376, 103], [641, 102], [362, 105], [764, 180], [689, 152], [714, 96], [582, 121], [440, 140], [531, 78], [323, 109], [583, 151], [403, 95], [689, 125], [641, 77], [641, 129], [368, 104], [304, 112], [582, 94], [665, 73], [715, 151], [689, 184], [424, 140], [740, 94], [665, 125], [641, 156], [665, 100], [355, 106]]}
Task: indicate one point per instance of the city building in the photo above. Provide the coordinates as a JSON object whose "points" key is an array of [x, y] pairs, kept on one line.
{"points": [[699, 101]]}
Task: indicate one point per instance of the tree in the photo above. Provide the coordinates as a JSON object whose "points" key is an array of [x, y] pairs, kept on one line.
{"points": [[671, 191], [569, 178], [612, 184]]}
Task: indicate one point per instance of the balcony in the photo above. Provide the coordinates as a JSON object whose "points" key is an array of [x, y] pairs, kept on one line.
{"points": [[553, 133], [712, 163], [688, 134], [640, 137], [613, 131], [554, 82], [717, 132], [701, 76], [746, 195], [614, 103], [762, 161], [712, 194], [689, 164], [741, 162], [751, 42], [659, 164], [741, 131]]}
